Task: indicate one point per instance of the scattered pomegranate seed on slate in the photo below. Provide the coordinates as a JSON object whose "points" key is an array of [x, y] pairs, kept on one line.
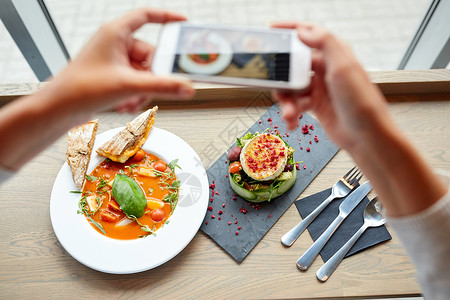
{"points": [[213, 216], [236, 233], [259, 122], [239, 227], [206, 223], [210, 208], [235, 222], [297, 166], [305, 129], [304, 166], [311, 126], [300, 116], [307, 149], [316, 139], [301, 148], [220, 212], [220, 218], [229, 223], [223, 205], [243, 210], [270, 216], [276, 126]]}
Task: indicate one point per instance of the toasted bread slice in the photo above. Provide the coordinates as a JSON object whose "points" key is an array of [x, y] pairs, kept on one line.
{"points": [[80, 141], [127, 142]]}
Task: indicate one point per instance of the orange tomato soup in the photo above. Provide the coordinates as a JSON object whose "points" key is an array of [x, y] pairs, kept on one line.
{"points": [[156, 185]]}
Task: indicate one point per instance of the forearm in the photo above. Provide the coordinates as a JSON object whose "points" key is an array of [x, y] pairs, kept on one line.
{"points": [[403, 181], [30, 124]]}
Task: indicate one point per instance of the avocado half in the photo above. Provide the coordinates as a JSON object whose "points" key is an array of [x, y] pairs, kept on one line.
{"points": [[261, 195]]}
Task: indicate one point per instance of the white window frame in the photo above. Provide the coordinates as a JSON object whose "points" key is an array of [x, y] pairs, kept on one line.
{"points": [[430, 46], [33, 30]]}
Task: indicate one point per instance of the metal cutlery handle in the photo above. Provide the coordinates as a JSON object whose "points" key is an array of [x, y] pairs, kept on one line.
{"points": [[328, 268], [308, 257], [292, 235]]}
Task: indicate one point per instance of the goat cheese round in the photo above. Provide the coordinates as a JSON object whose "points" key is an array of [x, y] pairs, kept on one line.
{"points": [[264, 157]]}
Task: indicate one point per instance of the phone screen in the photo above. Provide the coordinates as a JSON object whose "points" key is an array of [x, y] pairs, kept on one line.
{"points": [[232, 53]]}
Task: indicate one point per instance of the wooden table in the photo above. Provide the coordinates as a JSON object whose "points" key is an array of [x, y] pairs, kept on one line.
{"points": [[34, 265]]}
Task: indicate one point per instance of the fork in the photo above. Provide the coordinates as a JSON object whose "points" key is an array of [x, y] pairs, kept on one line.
{"points": [[340, 189]]}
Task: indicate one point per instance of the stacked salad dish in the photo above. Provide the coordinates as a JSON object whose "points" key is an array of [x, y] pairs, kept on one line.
{"points": [[261, 167]]}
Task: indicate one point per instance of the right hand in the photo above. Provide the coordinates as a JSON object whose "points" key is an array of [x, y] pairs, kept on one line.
{"points": [[342, 97]]}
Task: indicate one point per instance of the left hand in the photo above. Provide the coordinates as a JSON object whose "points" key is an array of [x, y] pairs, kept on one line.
{"points": [[113, 69]]}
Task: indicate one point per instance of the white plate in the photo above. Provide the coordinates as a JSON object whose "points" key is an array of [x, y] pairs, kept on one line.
{"points": [[213, 68], [109, 255]]}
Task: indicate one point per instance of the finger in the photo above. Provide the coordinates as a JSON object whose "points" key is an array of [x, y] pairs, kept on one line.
{"points": [[317, 62], [139, 50], [134, 20], [133, 104], [161, 87], [140, 54], [284, 24], [128, 105]]}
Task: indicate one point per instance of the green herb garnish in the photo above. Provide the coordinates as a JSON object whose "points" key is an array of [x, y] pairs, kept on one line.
{"points": [[91, 178], [173, 164]]}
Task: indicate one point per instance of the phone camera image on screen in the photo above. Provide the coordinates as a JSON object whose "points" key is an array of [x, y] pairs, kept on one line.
{"points": [[229, 53]]}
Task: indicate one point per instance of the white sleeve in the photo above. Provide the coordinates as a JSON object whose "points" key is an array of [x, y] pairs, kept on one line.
{"points": [[426, 238], [5, 175]]}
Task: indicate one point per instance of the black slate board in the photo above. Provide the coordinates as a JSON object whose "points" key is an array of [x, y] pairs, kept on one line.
{"points": [[372, 236], [229, 214]]}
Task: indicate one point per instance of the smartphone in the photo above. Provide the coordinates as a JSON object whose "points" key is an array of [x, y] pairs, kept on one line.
{"points": [[266, 58]]}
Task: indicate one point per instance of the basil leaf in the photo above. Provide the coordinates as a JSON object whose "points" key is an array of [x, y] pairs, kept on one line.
{"points": [[129, 195]]}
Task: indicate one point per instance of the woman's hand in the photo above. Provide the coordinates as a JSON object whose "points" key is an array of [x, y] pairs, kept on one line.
{"points": [[354, 114], [113, 69], [341, 95]]}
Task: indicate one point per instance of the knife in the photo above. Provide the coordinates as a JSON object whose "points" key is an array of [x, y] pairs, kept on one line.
{"points": [[345, 209]]}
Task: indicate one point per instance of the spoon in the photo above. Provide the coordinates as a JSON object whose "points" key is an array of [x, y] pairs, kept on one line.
{"points": [[372, 218]]}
